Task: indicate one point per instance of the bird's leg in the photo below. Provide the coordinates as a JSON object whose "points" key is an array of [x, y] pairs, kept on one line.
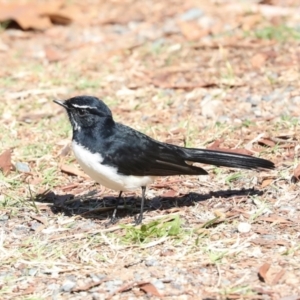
{"points": [[138, 220], [113, 218]]}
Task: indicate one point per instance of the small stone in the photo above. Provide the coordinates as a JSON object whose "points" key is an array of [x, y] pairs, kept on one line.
{"points": [[101, 276], [96, 296], [53, 286], [287, 208], [296, 99], [170, 27], [192, 14], [258, 113], [176, 286], [118, 282], [110, 286], [268, 236], [225, 282], [151, 262], [206, 22], [22, 167], [174, 48], [254, 100], [94, 277], [4, 217], [244, 227], [223, 119], [158, 284], [68, 285], [211, 108], [256, 252], [137, 276], [32, 272]]}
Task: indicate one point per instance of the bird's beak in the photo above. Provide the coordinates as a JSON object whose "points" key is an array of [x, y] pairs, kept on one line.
{"points": [[61, 103]]}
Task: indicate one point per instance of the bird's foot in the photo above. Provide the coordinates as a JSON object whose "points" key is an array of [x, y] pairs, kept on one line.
{"points": [[113, 220], [138, 219]]}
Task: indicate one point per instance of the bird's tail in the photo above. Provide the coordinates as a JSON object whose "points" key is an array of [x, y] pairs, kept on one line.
{"points": [[227, 159]]}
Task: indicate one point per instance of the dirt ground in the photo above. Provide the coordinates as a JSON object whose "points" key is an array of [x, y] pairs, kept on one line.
{"points": [[218, 74]]}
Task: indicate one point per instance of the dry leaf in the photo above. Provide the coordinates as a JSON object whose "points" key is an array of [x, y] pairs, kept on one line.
{"points": [[88, 286], [149, 288], [33, 15], [5, 162], [262, 272], [249, 22], [73, 171], [267, 142], [296, 176], [27, 15], [269, 243], [216, 144], [191, 31], [273, 219], [278, 276], [53, 55], [266, 182], [170, 193], [258, 60]]}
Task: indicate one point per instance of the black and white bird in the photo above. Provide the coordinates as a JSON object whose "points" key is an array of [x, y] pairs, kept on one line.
{"points": [[124, 159]]}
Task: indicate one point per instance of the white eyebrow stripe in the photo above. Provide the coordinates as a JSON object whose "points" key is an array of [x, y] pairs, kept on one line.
{"points": [[83, 106]]}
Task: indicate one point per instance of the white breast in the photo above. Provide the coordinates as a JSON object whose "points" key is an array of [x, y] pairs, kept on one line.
{"points": [[91, 163]]}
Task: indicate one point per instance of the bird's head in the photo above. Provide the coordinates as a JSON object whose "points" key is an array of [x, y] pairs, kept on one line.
{"points": [[85, 111]]}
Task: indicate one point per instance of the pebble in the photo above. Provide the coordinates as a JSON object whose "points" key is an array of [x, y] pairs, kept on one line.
{"points": [[151, 262], [119, 29], [112, 285], [296, 99], [223, 119], [53, 286], [68, 285], [254, 100], [287, 208], [176, 286], [137, 276], [206, 22], [244, 227], [256, 252], [192, 14], [158, 284], [225, 282], [211, 108], [97, 296], [268, 236], [22, 167], [32, 271], [258, 113], [4, 217], [170, 27]]}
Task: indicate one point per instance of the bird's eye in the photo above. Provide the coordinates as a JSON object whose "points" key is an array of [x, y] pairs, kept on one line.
{"points": [[81, 112]]}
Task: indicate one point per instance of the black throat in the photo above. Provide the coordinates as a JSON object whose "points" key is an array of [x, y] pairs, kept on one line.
{"points": [[96, 138]]}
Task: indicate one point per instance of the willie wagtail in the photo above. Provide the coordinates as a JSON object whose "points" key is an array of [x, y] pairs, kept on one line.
{"points": [[124, 159]]}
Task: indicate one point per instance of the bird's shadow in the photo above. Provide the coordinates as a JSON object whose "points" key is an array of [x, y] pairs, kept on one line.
{"points": [[91, 206]]}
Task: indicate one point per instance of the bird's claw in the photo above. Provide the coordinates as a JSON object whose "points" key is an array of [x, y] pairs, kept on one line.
{"points": [[113, 220], [138, 219]]}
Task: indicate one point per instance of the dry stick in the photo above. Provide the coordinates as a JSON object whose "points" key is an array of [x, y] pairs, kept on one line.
{"points": [[89, 286], [127, 287], [220, 276]]}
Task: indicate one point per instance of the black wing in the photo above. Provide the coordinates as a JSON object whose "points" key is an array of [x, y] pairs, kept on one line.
{"points": [[140, 155]]}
